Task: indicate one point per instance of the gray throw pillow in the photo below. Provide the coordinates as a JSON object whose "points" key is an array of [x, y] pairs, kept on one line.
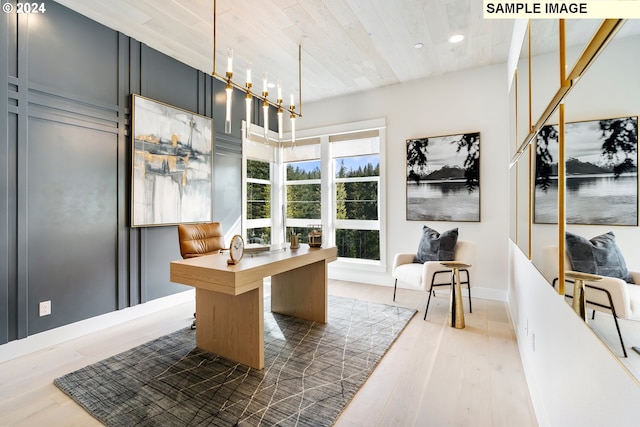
{"points": [[600, 256], [435, 246]]}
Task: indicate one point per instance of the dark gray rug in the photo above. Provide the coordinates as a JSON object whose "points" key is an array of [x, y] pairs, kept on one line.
{"points": [[311, 372]]}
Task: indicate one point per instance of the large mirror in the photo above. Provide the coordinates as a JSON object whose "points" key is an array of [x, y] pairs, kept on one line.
{"points": [[602, 175], [601, 152]]}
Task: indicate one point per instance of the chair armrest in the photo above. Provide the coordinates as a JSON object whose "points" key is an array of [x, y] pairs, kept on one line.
{"points": [[619, 294], [636, 276], [402, 258]]}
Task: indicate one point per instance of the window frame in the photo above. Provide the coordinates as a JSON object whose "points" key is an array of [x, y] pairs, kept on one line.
{"points": [[318, 139]]}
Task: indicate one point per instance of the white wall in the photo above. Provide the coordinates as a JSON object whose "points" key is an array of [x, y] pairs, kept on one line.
{"points": [[455, 103], [573, 379]]}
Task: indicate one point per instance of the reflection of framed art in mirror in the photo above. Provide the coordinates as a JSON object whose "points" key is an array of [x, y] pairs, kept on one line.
{"points": [[601, 170]]}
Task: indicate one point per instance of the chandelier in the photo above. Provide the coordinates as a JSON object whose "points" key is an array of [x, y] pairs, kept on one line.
{"points": [[264, 96]]}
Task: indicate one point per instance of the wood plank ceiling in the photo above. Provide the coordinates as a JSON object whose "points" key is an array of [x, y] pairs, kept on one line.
{"points": [[347, 45]]}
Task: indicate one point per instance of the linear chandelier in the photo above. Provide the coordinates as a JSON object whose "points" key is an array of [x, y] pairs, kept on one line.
{"points": [[249, 94]]}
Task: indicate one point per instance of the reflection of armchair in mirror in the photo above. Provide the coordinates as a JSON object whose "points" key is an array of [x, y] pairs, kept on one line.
{"points": [[614, 296]]}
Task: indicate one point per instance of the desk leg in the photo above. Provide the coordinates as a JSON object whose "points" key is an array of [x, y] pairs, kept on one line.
{"points": [[301, 292], [232, 326]]}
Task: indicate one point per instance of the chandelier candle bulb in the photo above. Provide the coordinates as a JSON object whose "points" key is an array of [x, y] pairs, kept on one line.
{"points": [[265, 87], [248, 76], [293, 127], [227, 121], [280, 113], [229, 62], [247, 105], [265, 113]]}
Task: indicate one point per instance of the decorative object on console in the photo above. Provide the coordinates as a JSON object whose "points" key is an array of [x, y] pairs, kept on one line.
{"points": [[295, 244], [236, 249], [601, 170], [171, 165], [315, 236], [443, 178]]}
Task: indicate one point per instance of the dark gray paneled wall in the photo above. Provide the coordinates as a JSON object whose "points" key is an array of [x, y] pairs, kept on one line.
{"points": [[65, 157]]}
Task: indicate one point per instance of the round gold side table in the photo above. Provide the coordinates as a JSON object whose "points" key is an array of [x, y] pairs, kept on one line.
{"points": [[579, 303], [456, 310]]}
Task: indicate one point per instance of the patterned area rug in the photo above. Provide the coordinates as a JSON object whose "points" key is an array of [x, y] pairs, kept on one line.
{"points": [[311, 372]]}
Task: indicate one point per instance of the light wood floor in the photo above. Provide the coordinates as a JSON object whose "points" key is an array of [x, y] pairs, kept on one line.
{"points": [[433, 375]]}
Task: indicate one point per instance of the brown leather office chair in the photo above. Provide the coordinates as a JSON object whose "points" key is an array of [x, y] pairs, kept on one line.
{"points": [[198, 240]]}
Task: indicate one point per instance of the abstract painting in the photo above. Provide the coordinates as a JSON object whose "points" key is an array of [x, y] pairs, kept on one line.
{"points": [[443, 178], [172, 165], [601, 170]]}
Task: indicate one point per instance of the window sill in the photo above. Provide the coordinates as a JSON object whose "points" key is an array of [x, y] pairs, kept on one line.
{"points": [[359, 264]]}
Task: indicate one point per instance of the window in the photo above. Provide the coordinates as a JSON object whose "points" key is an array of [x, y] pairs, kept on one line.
{"points": [[334, 180], [356, 162], [303, 187], [304, 203], [303, 190], [258, 201]]}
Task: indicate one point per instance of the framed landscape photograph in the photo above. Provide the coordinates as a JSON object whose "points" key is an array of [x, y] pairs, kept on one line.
{"points": [[601, 171], [172, 165], [443, 178]]}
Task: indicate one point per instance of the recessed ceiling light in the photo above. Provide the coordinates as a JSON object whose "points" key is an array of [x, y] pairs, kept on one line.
{"points": [[418, 45], [456, 38]]}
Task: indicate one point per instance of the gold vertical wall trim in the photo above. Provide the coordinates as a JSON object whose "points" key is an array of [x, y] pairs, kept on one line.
{"points": [[517, 203], [530, 75], [563, 56], [515, 76], [561, 164], [515, 85], [561, 200], [532, 153]]}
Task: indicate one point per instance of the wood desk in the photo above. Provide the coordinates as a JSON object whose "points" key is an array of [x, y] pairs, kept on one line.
{"points": [[229, 298]]}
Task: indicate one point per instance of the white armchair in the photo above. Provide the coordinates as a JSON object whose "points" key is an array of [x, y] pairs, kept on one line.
{"points": [[610, 295], [431, 274]]}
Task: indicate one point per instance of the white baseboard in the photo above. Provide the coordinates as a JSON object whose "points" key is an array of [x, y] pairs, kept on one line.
{"points": [[382, 278], [18, 348]]}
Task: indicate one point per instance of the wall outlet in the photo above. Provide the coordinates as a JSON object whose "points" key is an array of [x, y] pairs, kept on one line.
{"points": [[45, 308]]}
